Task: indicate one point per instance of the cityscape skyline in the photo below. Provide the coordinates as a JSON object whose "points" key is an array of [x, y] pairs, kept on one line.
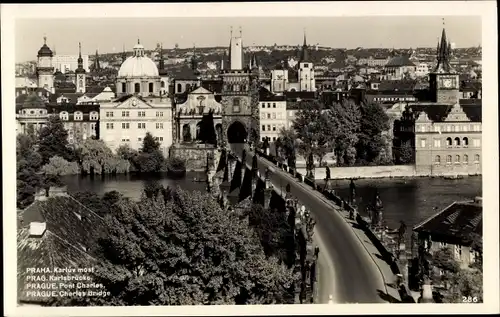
{"points": [[118, 33]]}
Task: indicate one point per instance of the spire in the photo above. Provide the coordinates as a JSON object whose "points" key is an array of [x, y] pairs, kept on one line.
{"points": [[230, 44], [162, 63], [443, 53], [138, 41], [304, 56], [80, 49], [97, 66], [44, 40], [80, 68]]}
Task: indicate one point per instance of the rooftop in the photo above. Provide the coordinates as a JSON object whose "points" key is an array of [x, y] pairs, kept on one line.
{"points": [[456, 223]]}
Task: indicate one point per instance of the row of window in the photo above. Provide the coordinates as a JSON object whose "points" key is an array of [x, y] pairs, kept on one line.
{"points": [[457, 142], [126, 125], [126, 139], [449, 158], [264, 138], [394, 99], [137, 87], [110, 114], [78, 115], [451, 128], [271, 115], [272, 127], [268, 105]]}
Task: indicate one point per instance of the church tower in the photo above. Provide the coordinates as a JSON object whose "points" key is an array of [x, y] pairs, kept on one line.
{"points": [[240, 113], [80, 73], [307, 81], [44, 68], [444, 80]]}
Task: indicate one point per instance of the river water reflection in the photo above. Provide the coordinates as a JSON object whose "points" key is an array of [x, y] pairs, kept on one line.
{"points": [[409, 200]]}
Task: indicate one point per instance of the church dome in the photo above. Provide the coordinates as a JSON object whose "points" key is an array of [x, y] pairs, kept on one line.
{"points": [[138, 65], [45, 50]]}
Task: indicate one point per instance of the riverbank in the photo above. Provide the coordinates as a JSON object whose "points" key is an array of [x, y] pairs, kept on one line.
{"points": [[374, 172]]}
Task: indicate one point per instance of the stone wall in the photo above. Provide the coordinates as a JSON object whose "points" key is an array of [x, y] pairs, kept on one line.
{"points": [[194, 155], [364, 172]]}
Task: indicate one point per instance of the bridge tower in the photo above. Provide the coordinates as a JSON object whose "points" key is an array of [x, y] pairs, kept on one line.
{"points": [[240, 113]]}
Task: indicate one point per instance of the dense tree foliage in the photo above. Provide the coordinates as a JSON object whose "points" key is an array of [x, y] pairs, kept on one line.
{"points": [[29, 162], [183, 249], [59, 166], [100, 205], [97, 158], [374, 121], [53, 141], [150, 158], [406, 154], [345, 118], [288, 145], [313, 128]]}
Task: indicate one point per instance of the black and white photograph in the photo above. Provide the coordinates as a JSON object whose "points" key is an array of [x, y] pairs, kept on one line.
{"points": [[211, 155]]}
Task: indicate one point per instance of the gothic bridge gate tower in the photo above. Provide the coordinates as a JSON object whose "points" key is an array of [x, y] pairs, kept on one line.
{"points": [[240, 99]]}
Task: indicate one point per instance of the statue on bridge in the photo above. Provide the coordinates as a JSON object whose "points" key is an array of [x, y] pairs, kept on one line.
{"points": [[375, 211], [352, 192]]}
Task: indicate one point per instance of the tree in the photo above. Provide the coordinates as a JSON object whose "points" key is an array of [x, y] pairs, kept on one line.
{"points": [[53, 141], [288, 146], [183, 251], [100, 205], [345, 118], [59, 166], [374, 121], [95, 156], [406, 154], [29, 162], [149, 144], [314, 129], [207, 129]]}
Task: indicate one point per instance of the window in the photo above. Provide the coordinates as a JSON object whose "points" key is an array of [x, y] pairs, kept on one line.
{"points": [[109, 126], [137, 88], [139, 139], [422, 142], [125, 139], [457, 141], [263, 138], [162, 84], [263, 116], [92, 126], [274, 127], [476, 158], [109, 114], [465, 141], [124, 87], [437, 143], [94, 115], [466, 159], [125, 125], [78, 115], [269, 105], [141, 125], [236, 105], [306, 65], [448, 142], [274, 138], [437, 160], [159, 125], [263, 127], [274, 104], [63, 115], [457, 158], [141, 114], [263, 105], [268, 127], [179, 88], [448, 159], [269, 116], [125, 113], [477, 142], [151, 86], [159, 113]]}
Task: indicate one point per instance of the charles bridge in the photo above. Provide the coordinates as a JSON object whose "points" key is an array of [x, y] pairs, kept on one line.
{"points": [[341, 259]]}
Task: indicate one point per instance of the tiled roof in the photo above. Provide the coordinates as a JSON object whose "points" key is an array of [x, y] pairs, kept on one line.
{"points": [[70, 239], [435, 112], [399, 61], [400, 85], [472, 108], [455, 224], [266, 95]]}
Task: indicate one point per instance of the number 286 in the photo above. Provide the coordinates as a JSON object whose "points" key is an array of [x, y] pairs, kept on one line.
{"points": [[469, 299]]}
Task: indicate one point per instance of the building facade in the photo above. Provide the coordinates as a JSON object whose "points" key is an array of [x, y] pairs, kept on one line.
{"points": [[272, 113], [189, 115], [45, 67]]}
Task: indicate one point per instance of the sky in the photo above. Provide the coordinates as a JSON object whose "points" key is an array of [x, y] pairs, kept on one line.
{"points": [[111, 34]]}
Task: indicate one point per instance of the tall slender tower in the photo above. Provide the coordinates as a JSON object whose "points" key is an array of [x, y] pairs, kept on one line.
{"points": [[97, 65], [45, 69], [240, 117], [80, 72], [306, 69], [444, 80]]}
